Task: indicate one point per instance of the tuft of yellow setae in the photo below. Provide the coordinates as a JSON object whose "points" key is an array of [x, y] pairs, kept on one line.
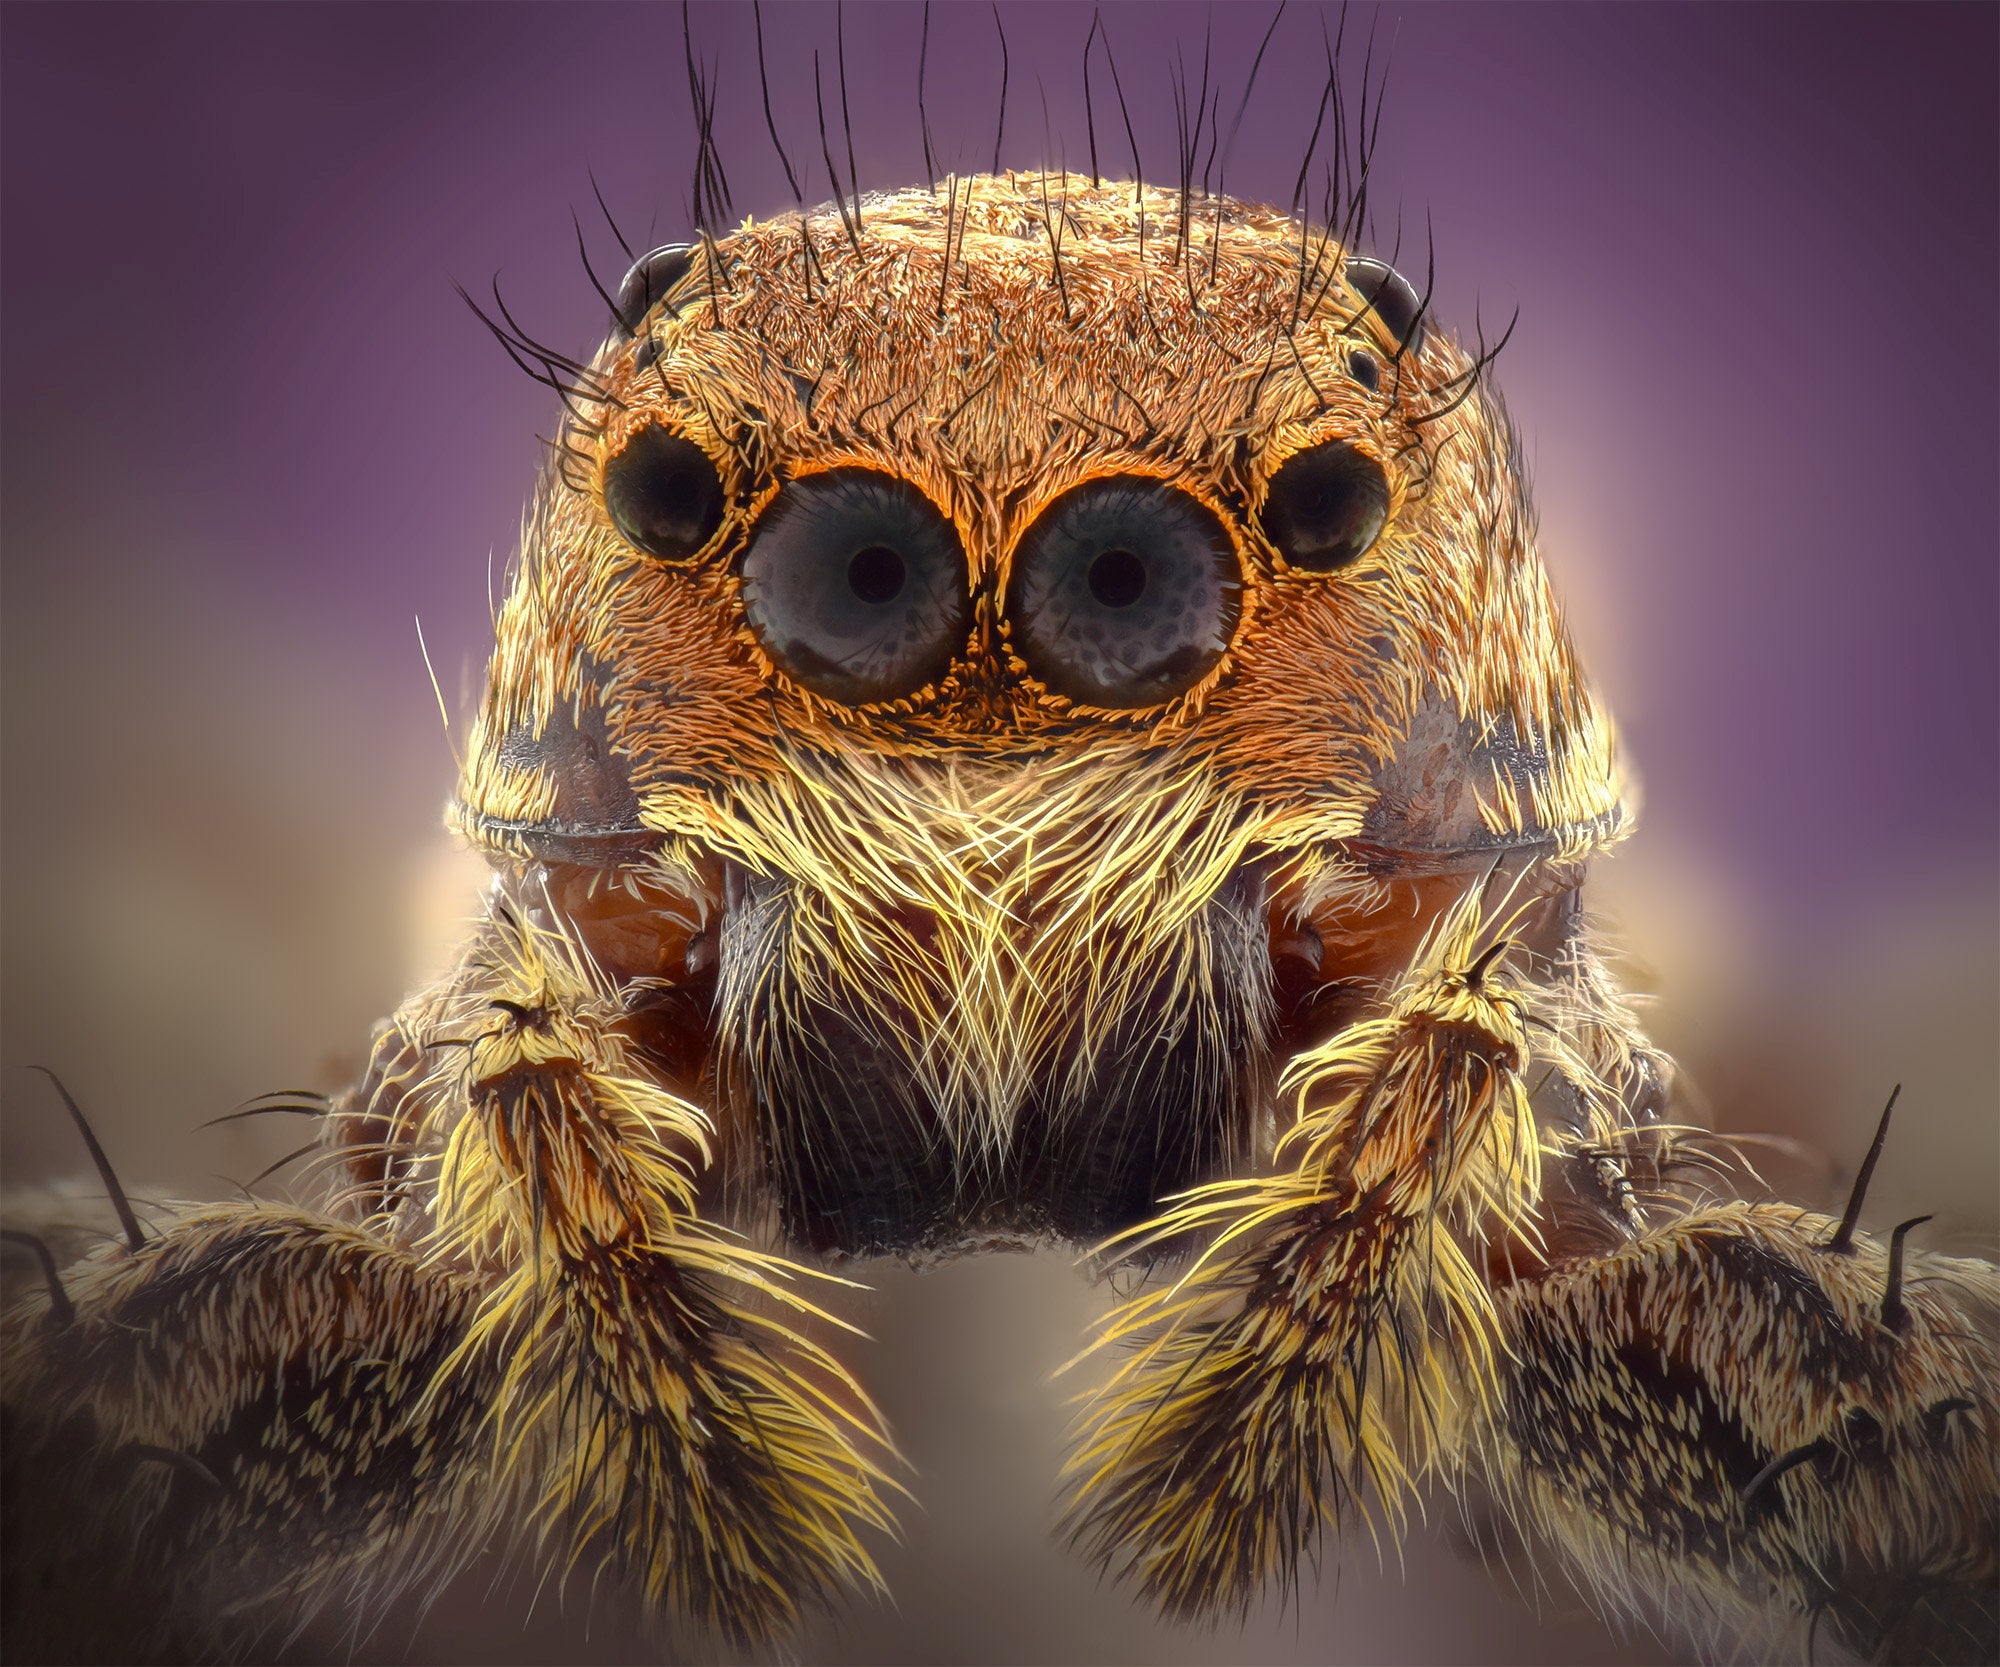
{"points": [[1331, 1331]]}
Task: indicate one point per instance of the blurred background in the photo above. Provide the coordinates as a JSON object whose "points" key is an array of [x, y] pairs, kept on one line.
{"points": [[250, 434]]}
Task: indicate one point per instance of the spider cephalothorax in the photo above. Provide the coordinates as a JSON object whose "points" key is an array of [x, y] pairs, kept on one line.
{"points": [[1027, 710], [1033, 655]]}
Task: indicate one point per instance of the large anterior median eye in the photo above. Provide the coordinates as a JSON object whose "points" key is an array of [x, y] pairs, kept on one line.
{"points": [[1326, 506], [857, 586], [663, 494], [1124, 593]]}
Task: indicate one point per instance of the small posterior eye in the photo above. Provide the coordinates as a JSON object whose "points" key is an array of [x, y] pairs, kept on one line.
{"points": [[857, 586], [663, 495], [651, 276], [1391, 297], [1325, 507], [1125, 592]]}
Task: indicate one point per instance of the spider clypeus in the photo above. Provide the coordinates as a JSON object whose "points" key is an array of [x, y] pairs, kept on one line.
{"points": [[1028, 710]]}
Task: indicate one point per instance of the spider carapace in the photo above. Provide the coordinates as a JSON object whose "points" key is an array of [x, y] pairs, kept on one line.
{"points": [[1027, 710]]}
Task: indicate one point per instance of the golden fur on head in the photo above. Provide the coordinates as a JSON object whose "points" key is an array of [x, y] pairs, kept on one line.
{"points": [[993, 344]]}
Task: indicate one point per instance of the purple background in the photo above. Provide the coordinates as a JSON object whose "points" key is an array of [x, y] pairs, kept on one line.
{"points": [[249, 431]]}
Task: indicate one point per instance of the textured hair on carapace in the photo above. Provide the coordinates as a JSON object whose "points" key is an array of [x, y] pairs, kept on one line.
{"points": [[1342, 140]]}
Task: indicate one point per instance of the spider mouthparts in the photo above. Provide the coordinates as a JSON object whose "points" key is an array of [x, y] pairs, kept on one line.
{"points": [[917, 1073]]}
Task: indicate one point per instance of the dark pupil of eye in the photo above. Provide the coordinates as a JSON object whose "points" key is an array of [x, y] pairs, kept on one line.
{"points": [[1117, 578], [1326, 507], [662, 494], [876, 574], [680, 496]]}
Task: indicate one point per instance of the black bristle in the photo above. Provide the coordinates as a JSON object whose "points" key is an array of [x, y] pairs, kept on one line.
{"points": [[1764, 1478], [1894, 1314], [1000, 126], [135, 1239], [770, 122], [1050, 218], [590, 272], [61, 1309], [846, 122], [1312, 144], [923, 116], [1089, 111], [1842, 1242], [135, 1453], [1204, 108], [833, 173], [286, 1108], [1243, 103], [1125, 116], [605, 210], [289, 1158], [944, 271], [1467, 381], [811, 262]]}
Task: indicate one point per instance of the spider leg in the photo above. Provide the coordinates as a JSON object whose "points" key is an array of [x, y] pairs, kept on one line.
{"points": [[1733, 1424], [1317, 1347], [513, 1321], [1737, 1419], [229, 1426], [657, 1393]]}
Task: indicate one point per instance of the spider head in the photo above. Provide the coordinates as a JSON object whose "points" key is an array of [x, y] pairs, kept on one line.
{"points": [[1037, 630]]}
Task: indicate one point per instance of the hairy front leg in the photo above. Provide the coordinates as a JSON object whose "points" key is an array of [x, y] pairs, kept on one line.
{"points": [[1743, 1420], [512, 1321], [666, 1416], [1752, 1426], [211, 1435], [1318, 1347]]}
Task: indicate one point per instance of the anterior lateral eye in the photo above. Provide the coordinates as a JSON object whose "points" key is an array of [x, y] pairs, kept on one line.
{"points": [[1125, 592], [1325, 507], [857, 586], [663, 495]]}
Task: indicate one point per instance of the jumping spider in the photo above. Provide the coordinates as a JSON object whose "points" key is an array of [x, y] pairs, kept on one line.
{"points": [[1028, 710]]}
